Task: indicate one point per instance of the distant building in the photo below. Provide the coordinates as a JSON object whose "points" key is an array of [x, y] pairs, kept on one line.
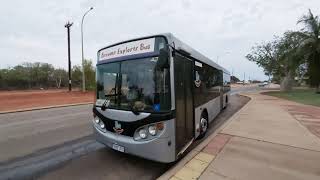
{"points": [[234, 79]]}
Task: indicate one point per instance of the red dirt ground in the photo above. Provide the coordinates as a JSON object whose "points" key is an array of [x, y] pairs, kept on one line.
{"points": [[14, 100]]}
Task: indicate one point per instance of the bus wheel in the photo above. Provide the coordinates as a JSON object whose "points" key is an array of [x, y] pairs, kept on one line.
{"points": [[203, 126]]}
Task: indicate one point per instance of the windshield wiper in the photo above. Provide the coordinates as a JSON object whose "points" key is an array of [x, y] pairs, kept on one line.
{"points": [[133, 110], [105, 104]]}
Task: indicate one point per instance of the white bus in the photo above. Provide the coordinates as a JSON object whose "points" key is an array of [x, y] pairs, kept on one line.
{"points": [[155, 96]]}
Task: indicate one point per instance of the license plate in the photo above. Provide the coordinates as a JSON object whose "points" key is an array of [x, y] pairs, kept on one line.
{"points": [[117, 147]]}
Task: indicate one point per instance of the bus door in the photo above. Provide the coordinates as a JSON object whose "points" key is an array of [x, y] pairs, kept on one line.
{"points": [[183, 79]]}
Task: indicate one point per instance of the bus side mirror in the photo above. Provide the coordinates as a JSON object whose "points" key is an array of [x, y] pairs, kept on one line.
{"points": [[163, 60]]}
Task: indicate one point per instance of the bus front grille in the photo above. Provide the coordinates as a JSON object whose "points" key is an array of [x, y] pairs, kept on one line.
{"points": [[128, 128]]}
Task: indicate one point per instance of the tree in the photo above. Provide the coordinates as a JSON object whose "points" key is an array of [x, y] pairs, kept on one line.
{"points": [[265, 56], [90, 75], [43, 75], [295, 54], [289, 58], [76, 75], [27, 76], [4, 78], [279, 58], [28, 68], [60, 77], [310, 46]]}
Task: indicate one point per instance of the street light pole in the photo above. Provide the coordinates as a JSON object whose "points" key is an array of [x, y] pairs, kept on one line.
{"points": [[83, 73], [68, 25]]}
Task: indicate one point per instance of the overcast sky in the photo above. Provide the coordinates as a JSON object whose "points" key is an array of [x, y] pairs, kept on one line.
{"points": [[224, 31]]}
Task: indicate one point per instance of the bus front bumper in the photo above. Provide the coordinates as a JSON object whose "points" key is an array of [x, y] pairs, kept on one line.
{"points": [[161, 149]]}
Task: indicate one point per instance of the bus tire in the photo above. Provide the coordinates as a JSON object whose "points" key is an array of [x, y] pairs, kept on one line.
{"points": [[204, 124]]}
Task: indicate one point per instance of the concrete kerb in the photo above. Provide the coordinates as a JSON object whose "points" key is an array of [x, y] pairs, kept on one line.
{"points": [[173, 170], [45, 107]]}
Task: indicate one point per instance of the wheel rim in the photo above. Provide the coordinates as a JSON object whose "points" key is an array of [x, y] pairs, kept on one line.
{"points": [[204, 125]]}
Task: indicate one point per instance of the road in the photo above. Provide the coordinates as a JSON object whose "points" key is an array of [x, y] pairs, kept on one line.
{"points": [[41, 144], [246, 88], [26, 132]]}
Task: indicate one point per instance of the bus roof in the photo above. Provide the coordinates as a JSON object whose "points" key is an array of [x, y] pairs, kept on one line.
{"points": [[193, 53], [179, 45]]}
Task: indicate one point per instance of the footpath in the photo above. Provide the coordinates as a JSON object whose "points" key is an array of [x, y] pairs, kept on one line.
{"points": [[269, 138]]}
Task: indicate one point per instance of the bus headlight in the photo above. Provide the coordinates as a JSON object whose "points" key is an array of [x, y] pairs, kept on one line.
{"points": [[143, 133], [102, 126], [152, 130], [97, 120], [99, 124]]}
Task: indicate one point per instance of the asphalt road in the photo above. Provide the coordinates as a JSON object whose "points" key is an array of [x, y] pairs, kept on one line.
{"points": [[57, 143], [246, 88], [24, 133]]}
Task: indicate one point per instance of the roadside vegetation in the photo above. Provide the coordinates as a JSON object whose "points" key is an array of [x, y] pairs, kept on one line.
{"points": [[45, 76], [304, 96], [292, 59]]}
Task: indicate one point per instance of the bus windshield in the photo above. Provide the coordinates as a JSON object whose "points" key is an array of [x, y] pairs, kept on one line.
{"points": [[134, 85]]}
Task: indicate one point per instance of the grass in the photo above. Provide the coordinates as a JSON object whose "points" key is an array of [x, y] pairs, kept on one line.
{"points": [[304, 96]]}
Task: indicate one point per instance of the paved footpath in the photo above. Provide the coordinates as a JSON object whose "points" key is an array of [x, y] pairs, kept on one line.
{"points": [[269, 138]]}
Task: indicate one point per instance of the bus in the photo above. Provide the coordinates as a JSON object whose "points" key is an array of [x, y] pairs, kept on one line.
{"points": [[155, 95]]}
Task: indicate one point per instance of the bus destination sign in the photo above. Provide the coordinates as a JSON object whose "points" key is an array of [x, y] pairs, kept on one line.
{"points": [[127, 49]]}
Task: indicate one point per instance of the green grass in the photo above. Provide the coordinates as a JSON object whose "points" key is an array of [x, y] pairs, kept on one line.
{"points": [[304, 96]]}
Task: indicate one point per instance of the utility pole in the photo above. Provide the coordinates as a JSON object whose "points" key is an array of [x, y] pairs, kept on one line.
{"points": [[68, 25]]}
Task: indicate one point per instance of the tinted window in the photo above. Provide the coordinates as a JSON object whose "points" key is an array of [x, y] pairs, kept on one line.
{"points": [[208, 81]]}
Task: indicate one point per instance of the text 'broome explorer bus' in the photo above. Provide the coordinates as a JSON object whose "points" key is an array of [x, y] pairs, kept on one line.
{"points": [[155, 96]]}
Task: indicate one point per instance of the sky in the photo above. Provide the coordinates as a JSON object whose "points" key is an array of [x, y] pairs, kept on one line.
{"points": [[224, 31]]}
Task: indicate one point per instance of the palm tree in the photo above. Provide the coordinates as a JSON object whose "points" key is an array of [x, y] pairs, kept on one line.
{"points": [[289, 58], [310, 46]]}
